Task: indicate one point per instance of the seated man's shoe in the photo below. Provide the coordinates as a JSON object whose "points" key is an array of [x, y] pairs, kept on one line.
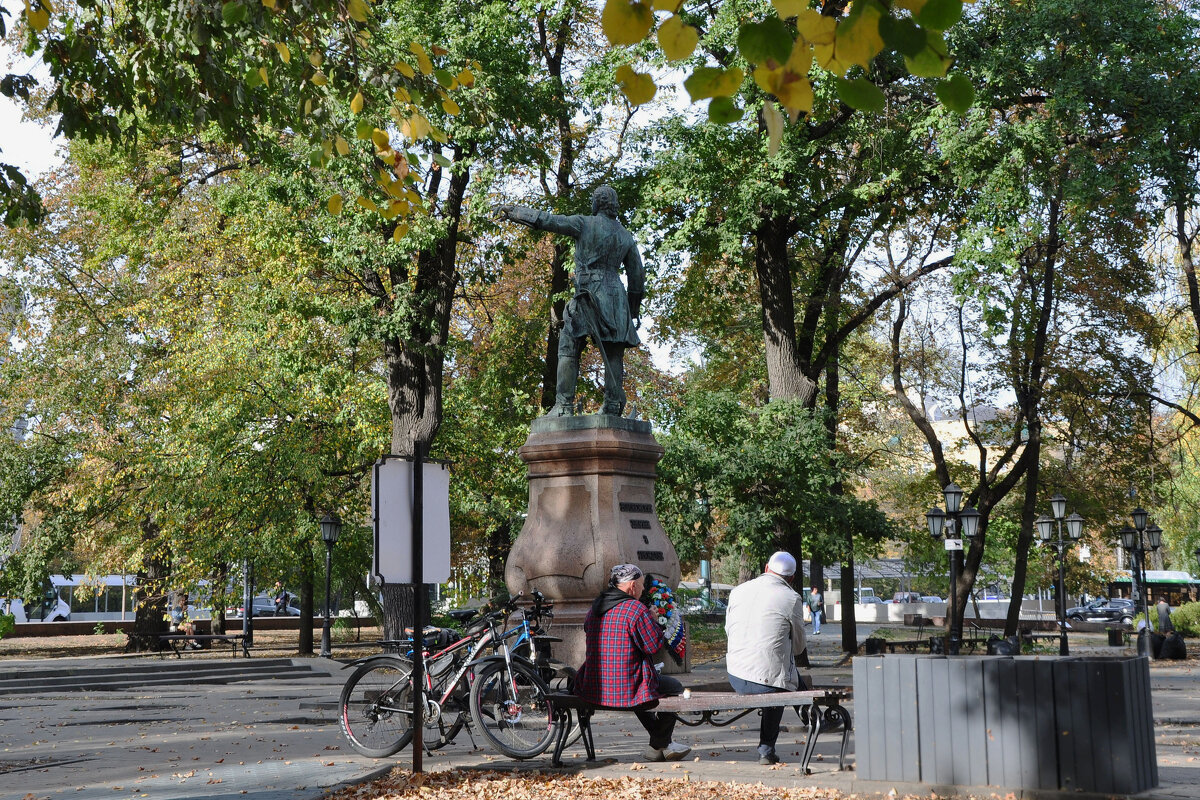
{"points": [[653, 754], [768, 759], [675, 751]]}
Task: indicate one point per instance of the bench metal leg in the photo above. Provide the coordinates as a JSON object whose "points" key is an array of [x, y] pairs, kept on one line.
{"points": [[815, 722], [562, 719], [585, 733]]}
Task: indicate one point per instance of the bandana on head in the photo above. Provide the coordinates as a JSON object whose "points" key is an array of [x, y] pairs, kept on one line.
{"points": [[624, 573]]}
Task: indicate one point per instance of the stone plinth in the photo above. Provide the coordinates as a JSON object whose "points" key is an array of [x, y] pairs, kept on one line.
{"points": [[591, 505]]}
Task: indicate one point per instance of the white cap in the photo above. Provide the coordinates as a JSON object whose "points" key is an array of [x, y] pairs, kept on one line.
{"points": [[782, 563]]}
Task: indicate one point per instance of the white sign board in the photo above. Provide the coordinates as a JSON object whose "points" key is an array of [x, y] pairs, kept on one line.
{"points": [[392, 504], [954, 544]]}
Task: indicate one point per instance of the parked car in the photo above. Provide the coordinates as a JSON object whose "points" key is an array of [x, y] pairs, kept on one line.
{"points": [[264, 606], [698, 605], [870, 599], [906, 597], [1104, 609], [931, 598]]}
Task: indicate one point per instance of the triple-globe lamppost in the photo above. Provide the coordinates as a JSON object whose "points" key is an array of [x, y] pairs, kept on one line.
{"points": [[331, 529], [1134, 543], [1045, 529], [949, 521]]}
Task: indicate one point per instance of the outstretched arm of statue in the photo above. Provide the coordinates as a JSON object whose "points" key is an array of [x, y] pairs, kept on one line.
{"points": [[519, 214]]}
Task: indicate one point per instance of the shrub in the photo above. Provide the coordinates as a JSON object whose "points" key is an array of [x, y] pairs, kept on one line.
{"points": [[1186, 619], [8, 623]]}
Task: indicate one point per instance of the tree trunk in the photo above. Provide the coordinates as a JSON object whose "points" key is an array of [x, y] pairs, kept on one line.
{"points": [[305, 646], [785, 377], [1024, 540], [414, 369], [219, 582], [150, 619]]}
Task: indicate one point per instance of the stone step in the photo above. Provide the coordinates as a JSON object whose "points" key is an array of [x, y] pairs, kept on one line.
{"points": [[34, 680]]}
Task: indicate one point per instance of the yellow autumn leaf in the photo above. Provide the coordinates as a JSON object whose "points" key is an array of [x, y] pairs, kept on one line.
{"points": [[637, 87], [914, 6], [401, 95], [796, 94], [308, 106], [789, 8], [466, 78], [423, 62], [315, 58], [825, 57], [438, 135], [858, 40], [415, 127], [319, 79], [343, 147], [405, 70], [774, 121], [401, 208], [335, 204], [327, 148], [367, 203], [800, 61], [450, 107], [677, 39], [380, 139], [815, 27], [357, 10], [388, 157], [400, 232], [667, 5], [356, 104], [285, 55], [37, 14], [262, 73], [269, 4], [626, 21]]}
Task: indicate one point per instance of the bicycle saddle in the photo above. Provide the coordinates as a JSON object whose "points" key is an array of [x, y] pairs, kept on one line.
{"points": [[461, 614]]}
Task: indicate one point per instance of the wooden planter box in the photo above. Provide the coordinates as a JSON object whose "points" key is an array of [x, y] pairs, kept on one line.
{"points": [[1029, 722]]}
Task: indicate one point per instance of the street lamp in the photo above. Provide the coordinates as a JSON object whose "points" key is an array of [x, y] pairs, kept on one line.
{"points": [[331, 529], [949, 521], [1132, 541], [1045, 528]]}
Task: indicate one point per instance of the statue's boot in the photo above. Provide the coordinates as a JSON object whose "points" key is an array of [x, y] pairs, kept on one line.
{"points": [[564, 394], [614, 379]]}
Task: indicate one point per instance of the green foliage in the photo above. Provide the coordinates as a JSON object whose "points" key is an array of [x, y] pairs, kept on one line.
{"points": [[8, 623], [741, 480], [1186, 619]]}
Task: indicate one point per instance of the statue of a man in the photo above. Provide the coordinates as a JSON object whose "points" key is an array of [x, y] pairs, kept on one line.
{"points": [[601, 308]]}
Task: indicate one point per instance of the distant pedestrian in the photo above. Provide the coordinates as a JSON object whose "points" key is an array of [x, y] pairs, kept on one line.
{"points": [[281, 600], [814, 606], [1164, 616]]}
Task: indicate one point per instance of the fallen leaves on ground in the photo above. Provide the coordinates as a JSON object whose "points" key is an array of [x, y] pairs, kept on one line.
{"points": [[533, 785]]}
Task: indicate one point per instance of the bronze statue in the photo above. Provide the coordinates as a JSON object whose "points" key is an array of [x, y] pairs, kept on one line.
{"points": [[601, 308]]}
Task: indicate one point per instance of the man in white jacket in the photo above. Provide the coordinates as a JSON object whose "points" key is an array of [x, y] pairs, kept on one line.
{"points": [[765, 628]]}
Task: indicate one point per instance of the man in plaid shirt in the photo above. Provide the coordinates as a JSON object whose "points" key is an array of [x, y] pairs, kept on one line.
{"points": [[622, 637]]}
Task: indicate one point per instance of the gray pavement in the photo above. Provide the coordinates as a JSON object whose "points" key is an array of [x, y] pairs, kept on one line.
{"points": [[275, 737]]}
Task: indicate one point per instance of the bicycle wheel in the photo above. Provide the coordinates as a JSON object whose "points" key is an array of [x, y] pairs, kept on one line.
{"points": [[453, 715], [376, 708], [511, 709]]}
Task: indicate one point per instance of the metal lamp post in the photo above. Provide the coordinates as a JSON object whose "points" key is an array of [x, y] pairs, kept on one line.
{"points": [[1132, 541], [331, 529], [949, 521], [1045, 528]]}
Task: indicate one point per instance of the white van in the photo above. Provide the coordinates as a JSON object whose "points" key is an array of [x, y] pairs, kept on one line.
{"points": [[60, 610]]}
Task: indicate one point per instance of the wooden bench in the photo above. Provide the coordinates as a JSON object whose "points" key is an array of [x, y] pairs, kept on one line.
{"points": [[820, 709], [177, 639]]}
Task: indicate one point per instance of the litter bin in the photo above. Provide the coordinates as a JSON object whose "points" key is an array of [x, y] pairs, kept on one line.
{"points": [[1116, 637]]}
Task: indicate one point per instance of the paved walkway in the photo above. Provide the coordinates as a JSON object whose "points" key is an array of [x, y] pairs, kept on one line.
{"points": [[278, 739]]}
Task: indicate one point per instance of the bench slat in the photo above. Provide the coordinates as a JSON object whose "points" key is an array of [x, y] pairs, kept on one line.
{"points": [[716, 701]]}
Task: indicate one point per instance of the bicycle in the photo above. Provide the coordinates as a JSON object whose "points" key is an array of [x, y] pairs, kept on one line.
{"points": [[376, 704]]}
